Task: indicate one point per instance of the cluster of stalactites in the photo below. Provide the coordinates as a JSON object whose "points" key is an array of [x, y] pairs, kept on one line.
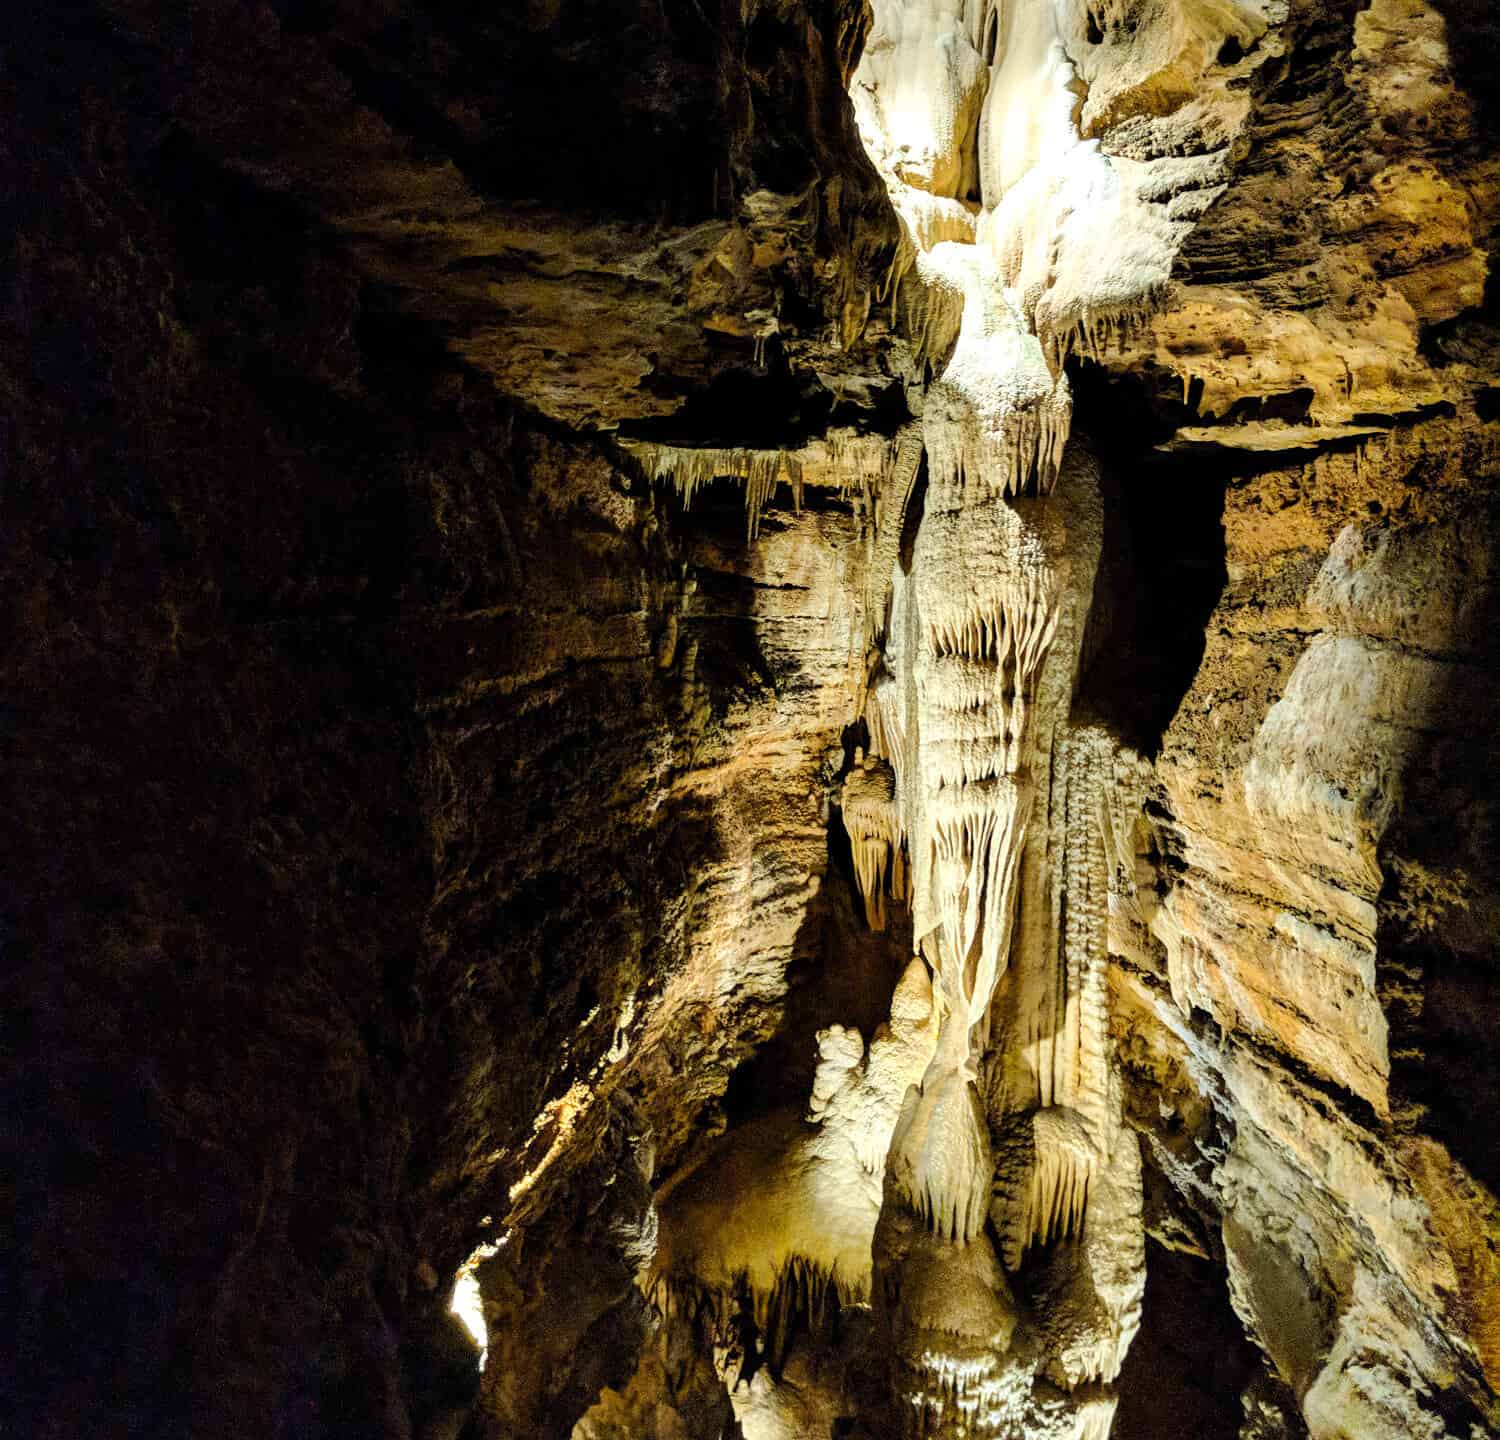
{"points": [[846, 460], [982, 683], [1012, 627], [1092, 1419], [977, 835], [873, 823], [857, 460], [955, 1399], [1058, 1194], [1096, 336], [996, 420], [1046, 1167], [689, 468], [972, 1395], [746, 1326], [884, 722], [1016, 450]]}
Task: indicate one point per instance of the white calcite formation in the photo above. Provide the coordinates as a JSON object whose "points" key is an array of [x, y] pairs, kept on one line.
{"points": [[690, 468], [869, 809], [777, 1223], [969, 1177], [1023, 243], [843, 459]]}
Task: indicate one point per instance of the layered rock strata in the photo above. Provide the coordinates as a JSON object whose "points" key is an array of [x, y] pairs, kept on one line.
{"points": [[934, 752]]}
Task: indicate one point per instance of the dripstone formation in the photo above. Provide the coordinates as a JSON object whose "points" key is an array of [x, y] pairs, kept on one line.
{"points": [[758, 718]]}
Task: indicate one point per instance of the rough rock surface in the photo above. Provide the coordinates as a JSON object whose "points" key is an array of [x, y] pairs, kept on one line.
{"points": [[424, 833]]}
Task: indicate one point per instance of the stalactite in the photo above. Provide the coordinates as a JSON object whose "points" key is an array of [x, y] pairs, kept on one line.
{"points": [[793, 468], [748, 1326], [868, 801], [884, 721], [940, 1158], [1098, 332], [1015, 449], [977, 834], [805, 1297], [854, 462], [1045, 1171], [688, 469]]}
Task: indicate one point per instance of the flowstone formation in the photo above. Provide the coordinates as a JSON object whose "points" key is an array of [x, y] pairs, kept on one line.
{"points": [[1018, 233], [991, 1215]]}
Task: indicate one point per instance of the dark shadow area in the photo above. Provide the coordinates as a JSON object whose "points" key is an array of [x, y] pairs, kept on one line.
{"points": [[295, 939], [767, 406], [1163, 569], [1474, 52], [1184, 1373], [1444, 1009], [214, 861], [613, 107], [1437, 961]]}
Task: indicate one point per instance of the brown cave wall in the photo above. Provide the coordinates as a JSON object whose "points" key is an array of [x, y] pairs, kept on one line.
{"points": [[599, 205], [419, 830], [1318, 853], [386, 758], [339, 829], [217, 864]]}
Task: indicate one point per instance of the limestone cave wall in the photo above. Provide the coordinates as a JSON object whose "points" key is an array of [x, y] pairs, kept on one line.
{"points": [[462, 472]]}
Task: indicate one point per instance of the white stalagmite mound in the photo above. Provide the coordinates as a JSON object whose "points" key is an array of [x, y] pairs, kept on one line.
{"points": [[784, 1210]]}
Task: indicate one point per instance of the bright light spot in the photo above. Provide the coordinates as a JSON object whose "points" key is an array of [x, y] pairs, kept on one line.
{"points": [[469, 1308], [467, 1303]]}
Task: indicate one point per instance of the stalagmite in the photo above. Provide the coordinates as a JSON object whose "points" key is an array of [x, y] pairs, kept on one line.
{"points": [[779, 1223]]}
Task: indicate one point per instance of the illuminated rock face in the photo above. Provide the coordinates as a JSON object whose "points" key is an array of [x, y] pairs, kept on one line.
{"points": [[668, 853], [1001, 1196], [1012, 1141], [992, 1213]]}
